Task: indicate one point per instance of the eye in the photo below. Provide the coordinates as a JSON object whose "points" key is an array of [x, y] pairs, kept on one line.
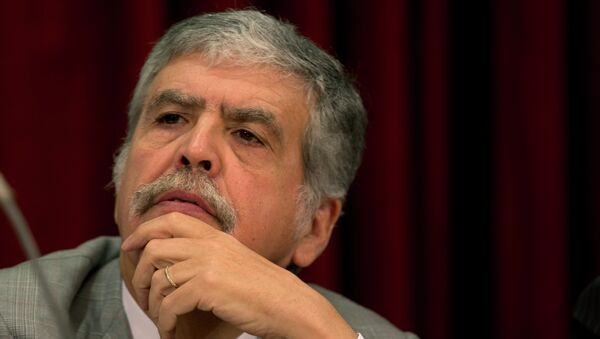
{"points": [[169, 119], [248, 137]]}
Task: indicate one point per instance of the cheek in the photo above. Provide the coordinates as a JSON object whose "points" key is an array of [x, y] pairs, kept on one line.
{"points": [[267, 211], [122, 203], [141, 167], [269, 239]]}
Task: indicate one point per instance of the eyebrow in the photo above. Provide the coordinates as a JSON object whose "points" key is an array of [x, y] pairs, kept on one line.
{"points": [[256, 115], [176, 97]]}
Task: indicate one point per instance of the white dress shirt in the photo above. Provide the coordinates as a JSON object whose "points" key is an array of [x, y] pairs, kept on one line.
{"points": [[140, 324]]}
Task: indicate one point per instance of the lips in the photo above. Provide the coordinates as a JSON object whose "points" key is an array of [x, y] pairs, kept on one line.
{"points": [[185, 202]]}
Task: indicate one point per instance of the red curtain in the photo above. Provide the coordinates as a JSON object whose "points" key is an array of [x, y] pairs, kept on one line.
{"points": [[529, 213], [475, 211]]}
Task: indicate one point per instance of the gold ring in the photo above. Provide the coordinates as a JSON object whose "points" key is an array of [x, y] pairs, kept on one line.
{"points": [[168, 276]]}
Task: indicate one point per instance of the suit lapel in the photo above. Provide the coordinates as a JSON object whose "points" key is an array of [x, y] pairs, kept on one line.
{"points": [[101, 299]]}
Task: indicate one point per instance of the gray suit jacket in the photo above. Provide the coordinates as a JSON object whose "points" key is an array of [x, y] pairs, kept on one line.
{"points": [[86, 284]]}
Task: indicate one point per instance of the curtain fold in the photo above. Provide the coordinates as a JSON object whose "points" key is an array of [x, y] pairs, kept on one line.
{"points": [[529, 214], [434, 155]]}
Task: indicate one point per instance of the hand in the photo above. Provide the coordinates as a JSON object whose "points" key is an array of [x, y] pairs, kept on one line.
{"points": [[216, 273]]}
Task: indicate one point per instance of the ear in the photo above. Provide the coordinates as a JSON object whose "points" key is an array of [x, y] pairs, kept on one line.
{"points": [[316, 238]]}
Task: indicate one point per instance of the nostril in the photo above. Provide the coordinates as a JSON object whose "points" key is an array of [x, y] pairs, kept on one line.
{"points": [[185, 161], [206, 165]]}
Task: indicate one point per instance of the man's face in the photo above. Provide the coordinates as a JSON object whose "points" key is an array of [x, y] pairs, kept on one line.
{"points": [[243, 126]]}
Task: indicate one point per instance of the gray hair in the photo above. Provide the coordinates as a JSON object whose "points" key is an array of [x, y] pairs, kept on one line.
{"points": [[334, 138]]}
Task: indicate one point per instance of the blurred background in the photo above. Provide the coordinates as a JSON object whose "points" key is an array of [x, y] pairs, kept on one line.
{"points": [[475, 213]]}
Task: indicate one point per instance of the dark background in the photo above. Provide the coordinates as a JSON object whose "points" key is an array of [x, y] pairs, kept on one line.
{"points": [[475, 212]]}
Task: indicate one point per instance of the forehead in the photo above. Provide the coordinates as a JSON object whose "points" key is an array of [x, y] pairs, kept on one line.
{"points": [[231, 85]]}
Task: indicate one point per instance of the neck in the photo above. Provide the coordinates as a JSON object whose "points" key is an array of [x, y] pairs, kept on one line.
{"points": [[196, 324]]}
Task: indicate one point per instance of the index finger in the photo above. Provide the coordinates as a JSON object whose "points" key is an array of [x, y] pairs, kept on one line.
{"points": [[171, 225]]}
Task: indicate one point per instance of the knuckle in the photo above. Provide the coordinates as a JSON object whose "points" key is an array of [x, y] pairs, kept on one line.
{"points": [[152, 247], [212, 243], [156, 279], [166, 305], [175, 216], [209, 277], [136, 282], [203, 301]]}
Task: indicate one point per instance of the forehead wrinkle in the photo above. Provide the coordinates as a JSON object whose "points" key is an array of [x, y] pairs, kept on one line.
{"points": [[256, 115], [176, 97]]}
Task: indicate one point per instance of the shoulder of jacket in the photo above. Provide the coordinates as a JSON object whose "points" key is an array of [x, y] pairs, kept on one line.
{"points": [[362, 319]]}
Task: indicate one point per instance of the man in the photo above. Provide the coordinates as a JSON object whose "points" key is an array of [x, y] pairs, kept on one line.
{"points": [[243, 139]]}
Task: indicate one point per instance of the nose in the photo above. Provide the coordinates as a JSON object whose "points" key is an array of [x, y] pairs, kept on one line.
{"points": [[204, 164], [199, 149]]}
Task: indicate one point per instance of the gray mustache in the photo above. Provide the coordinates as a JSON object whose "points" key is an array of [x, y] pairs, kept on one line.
{"points": [[186, 179]]}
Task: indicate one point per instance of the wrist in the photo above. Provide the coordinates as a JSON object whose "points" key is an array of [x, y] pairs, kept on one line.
{"points": [[306, 313], [323, 321]]}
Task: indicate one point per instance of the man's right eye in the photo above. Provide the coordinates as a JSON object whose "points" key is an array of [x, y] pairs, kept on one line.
{"points": [[169, 119]]}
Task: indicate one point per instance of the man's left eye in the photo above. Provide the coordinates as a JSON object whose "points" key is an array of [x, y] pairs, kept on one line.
{"points": [[248, 137]]}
